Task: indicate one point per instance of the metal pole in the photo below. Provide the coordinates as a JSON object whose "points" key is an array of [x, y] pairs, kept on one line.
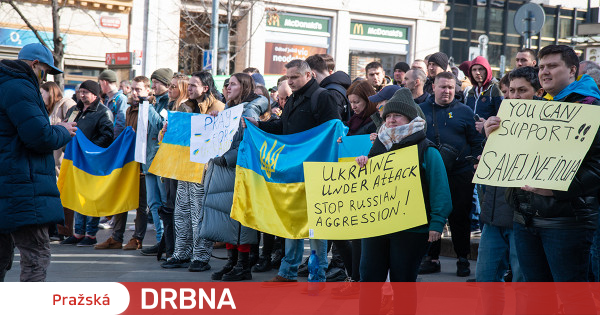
{"points": [[528, 20], [214, 37]]}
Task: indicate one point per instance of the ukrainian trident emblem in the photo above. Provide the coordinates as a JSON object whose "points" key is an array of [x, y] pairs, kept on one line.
{"points": [[268, 160]]}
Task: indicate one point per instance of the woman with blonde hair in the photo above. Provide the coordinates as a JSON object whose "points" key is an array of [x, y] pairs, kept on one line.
{"points": [[178, 92]]}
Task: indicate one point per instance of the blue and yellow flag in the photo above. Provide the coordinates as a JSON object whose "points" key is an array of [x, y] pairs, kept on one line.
{"points": [[353, 147], [173, 157], [99, 181], [269, 184]]}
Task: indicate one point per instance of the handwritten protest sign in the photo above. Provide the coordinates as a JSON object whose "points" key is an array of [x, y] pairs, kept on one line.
{"points": [[539, 143], [212, 136], [141, 134], [348, 202]]}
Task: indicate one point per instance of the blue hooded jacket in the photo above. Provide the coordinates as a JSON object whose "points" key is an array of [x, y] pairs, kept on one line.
{"points": [[28, 192], [585, 86]]}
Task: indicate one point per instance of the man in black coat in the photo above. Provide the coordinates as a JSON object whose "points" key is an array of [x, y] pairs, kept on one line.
{"points": [[301, 113], [335, 82], [29, 198]]}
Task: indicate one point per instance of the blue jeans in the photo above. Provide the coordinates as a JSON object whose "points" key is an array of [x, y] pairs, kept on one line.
{"points": [[86, 225], [156, 197], [496, 250], [560, 255], [294, 249]]}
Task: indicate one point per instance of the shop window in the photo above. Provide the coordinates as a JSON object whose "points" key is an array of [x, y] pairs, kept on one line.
{"points": [[566, 27], [76, 75]]}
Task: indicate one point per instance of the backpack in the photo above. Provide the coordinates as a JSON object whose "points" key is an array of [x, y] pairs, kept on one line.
{"points": [[345, 111], [314, 98]]}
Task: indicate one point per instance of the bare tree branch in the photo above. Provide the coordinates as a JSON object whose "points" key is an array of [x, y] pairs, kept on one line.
{"points": [[26, 21]]}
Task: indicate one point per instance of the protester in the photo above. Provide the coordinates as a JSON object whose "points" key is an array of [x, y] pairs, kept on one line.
{"points": [[554, 229], [191, 251], [125, 86], [28, 140], [161, 79], [273, 95], [436, 64], [360, 123], [57, 107], [400, 70], [453, 126], [504, 85], [115, 100], [219, 183], [299, 114], [526, 57], [400, 253], [419, 64], [178, 92], [376, 76], [414, 81], [336, 83], [96, 122], [587, 65], [380, 99]]}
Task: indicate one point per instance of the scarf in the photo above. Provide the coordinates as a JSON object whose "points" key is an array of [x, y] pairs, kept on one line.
{"points": [[390, 136]]}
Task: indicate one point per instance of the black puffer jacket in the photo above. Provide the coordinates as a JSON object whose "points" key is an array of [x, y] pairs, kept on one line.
{"points": [[333, 83], [576, 208], [96, 123]]}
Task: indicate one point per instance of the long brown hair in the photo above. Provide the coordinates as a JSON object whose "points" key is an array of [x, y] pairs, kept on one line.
{"points": [[363, 89], [247, 87], [182, 85], [55, 95]]}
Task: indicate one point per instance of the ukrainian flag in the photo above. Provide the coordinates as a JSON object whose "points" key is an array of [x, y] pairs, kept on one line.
{"points": [[99, 181], [269, 184], [173, 157], [353, 147]]}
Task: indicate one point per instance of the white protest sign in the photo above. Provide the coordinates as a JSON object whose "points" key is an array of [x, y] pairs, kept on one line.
{"points": [[141, 134], [212, 136]]}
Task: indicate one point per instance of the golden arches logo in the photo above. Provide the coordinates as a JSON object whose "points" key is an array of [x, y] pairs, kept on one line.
{"points": [[358, 29], [268, 160], [273, 20]]}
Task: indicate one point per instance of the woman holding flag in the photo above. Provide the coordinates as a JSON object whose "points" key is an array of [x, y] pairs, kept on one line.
{"points": [[219, 182]]}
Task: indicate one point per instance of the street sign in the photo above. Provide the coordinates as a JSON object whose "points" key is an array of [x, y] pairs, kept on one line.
{"points": [[119, 59], [207, 60], [529, 20]]}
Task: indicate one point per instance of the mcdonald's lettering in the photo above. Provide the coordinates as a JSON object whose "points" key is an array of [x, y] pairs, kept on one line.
{"points": [[358, 29], [273, 19]]}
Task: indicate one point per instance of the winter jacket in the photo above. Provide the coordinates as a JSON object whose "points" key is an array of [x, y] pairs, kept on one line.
{"points": [[297, 114], [576, 208], [434, 181], [118, 107], [386, 81], [487, 102], [58, 114], [209, 104], [456, 127], [422, 98], [28, 192], [155, 124], [494, 209], [219, 182], [162, 104], [339, 81], [96, 123]]}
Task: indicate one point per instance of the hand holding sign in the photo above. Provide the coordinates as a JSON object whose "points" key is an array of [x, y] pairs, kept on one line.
{"points": [[211, 136]]}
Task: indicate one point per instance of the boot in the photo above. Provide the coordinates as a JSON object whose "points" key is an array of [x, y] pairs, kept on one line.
{"points": [[241, 271], [232, 259]]}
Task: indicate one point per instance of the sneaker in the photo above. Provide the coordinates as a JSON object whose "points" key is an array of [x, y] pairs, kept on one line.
{"points": [[429, 266], [303, 268], [336, 274], [71, 240], [278, 281], [197, 266], [150, 251], [172, 263], [106, 225], [110, 243], [348, 290], [462, 267], [87, 242], [263, 265], [133, 244]]}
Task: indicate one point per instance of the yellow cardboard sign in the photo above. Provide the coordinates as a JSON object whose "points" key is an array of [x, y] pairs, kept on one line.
{"points": [[347, 202], [539, 143]]}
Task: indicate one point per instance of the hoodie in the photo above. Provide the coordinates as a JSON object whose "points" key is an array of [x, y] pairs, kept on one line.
{"points": [[335, 84], [585, 86], [485, 100]]}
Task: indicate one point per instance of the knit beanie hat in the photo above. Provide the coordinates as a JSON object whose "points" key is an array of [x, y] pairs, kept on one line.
{"points": [[403, 66], [91, 86], [440, 59], [164, 75], [108, 75], [402, 103]]}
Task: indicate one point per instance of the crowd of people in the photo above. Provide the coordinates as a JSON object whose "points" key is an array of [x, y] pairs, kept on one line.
{"points": [[527, 234]]}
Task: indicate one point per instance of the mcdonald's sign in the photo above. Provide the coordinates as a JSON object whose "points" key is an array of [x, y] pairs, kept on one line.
{"points": [[358, 29], [273, 19], [298, 22]]}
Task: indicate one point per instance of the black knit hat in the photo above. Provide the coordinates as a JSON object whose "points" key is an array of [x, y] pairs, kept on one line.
{"points": [[91, 86], [440, 59], [164, 75], [402, 103], [403, 66]]}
